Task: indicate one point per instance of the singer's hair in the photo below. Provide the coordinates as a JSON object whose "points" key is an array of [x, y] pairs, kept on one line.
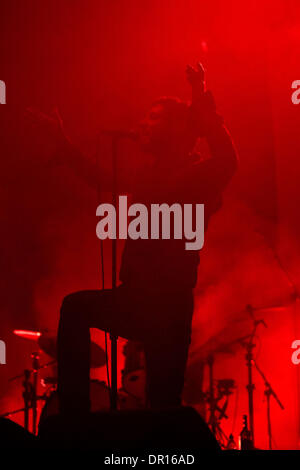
{"points": [[179, 113], [175, 107]]}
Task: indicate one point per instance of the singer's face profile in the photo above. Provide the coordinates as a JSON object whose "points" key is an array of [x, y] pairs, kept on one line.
{"points": [[153, 128], [163, 130]]}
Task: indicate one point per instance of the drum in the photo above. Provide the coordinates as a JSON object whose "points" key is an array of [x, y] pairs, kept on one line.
{"points": [[134, 383], [99, 397], [129, 402], [134, 374]]}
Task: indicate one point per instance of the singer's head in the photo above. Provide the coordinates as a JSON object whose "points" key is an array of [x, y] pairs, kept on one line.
{"points": [[165, 132]]}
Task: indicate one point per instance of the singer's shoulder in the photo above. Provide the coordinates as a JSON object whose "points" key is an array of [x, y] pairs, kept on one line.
{"points": [[141, 178]]}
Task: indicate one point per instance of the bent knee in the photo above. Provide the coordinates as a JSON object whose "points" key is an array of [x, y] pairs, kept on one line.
{"points": [[76, 304], [69, 304]]}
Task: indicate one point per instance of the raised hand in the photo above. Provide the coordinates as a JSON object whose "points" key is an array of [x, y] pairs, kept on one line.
{"points": [[196, 78]]}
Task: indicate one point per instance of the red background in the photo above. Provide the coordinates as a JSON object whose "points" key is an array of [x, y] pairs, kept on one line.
{"points": [[103, 63]]}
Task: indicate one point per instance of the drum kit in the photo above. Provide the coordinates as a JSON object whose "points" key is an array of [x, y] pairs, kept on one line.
{"points": [[37, 407], [213, 401], [236, 335]]}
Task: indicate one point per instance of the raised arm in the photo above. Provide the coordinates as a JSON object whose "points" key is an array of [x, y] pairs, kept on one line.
{"points": [[205, 122]]}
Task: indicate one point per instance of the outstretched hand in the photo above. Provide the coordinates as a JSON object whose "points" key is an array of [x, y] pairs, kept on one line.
{"points": [[48, 127]]}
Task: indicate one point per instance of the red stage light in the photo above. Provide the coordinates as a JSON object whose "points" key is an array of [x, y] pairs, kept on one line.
{"points": [[34, 335]]}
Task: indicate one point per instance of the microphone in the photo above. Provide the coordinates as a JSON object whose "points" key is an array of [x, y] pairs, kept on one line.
{"points": [[120, 134], [258, 322]]}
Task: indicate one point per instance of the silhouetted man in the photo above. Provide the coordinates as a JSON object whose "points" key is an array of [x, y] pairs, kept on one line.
{"points": [[154, 303]]}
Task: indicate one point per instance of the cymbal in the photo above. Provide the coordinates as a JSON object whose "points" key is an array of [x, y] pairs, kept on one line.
{"points": [[48, 345], [229, 339], [216, 346], [226, 341]]}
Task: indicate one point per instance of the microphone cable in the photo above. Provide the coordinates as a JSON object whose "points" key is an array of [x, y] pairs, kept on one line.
{"points": [[102, 266]]}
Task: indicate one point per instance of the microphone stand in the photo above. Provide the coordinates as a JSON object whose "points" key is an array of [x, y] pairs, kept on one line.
{"points": [[116, 136], [113, 338], [249, 346], [268, 393]]}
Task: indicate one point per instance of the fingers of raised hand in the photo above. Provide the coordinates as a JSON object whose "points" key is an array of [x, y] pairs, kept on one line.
{"points": [[195, 73], [36, 116], [200, 70]]}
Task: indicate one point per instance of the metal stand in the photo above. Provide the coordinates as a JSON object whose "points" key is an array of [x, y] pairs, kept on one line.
{"points": [[113, 338], [212, 417], [249, 346], [250, 386], [27, 394], [213, 399], [35, 366], [30, 396], [116, 136], [268, 393]]}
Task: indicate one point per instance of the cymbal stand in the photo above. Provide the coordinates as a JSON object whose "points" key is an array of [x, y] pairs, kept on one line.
{"points": [[213, 406], [35, 367], [27, 396], [30, 393], [250, 345], [212, 416]]}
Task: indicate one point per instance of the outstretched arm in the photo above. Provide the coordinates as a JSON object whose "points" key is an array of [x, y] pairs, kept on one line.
{"points": [[50, 129]]}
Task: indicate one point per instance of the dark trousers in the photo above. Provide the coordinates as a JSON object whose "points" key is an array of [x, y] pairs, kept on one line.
{"points": [[160, 320]]}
